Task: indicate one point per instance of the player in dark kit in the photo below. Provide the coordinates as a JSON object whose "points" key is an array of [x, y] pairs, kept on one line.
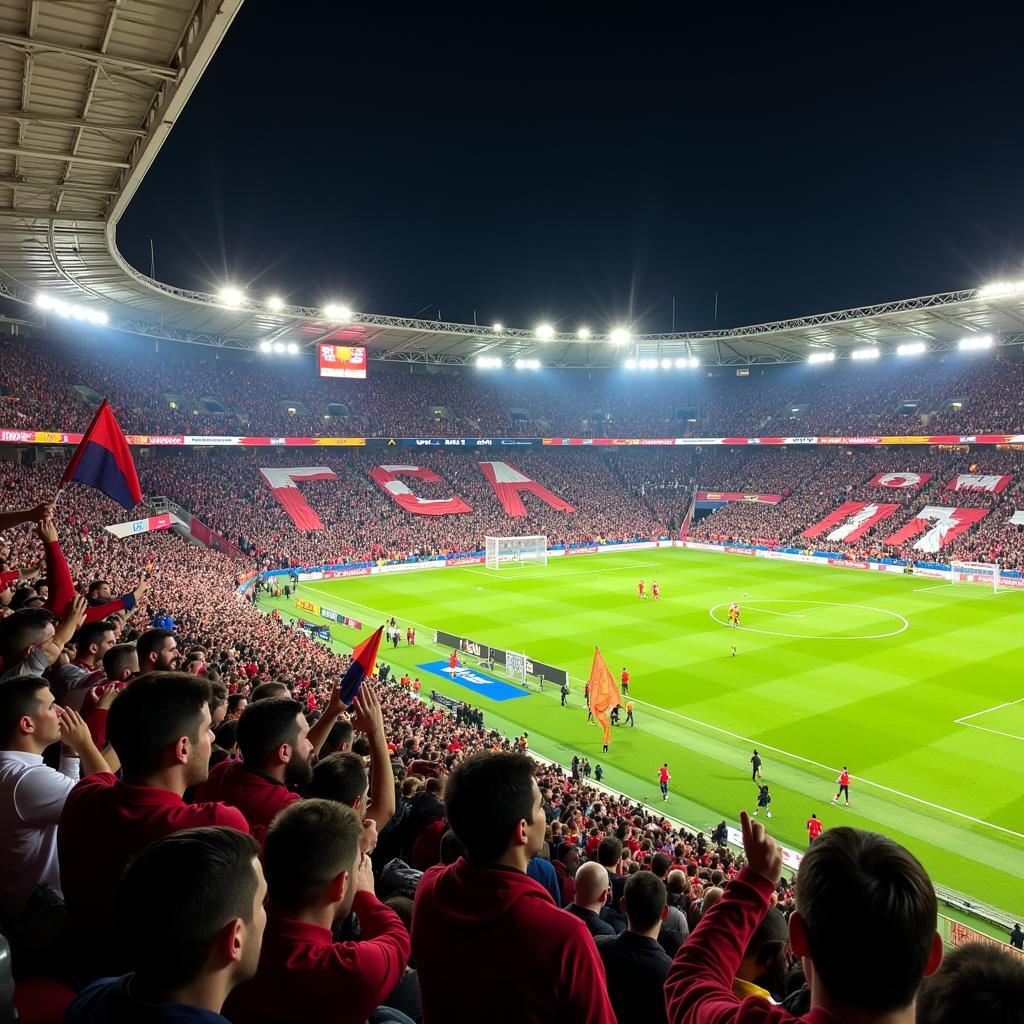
{"points": [[755, 767], [764, 800]]}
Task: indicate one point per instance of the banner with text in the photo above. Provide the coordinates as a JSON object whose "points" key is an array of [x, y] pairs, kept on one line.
{"points": [[851, 521], [386, 478], [935, 526]]}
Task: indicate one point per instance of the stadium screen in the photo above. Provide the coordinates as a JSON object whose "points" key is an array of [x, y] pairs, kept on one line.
{"points": [[342, 360]]}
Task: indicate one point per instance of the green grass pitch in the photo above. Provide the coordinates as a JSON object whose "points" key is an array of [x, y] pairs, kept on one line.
{"points": [[916, 686]]}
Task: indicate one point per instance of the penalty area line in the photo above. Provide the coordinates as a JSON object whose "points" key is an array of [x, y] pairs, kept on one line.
{"points": [[998, 707], [493, 574]]}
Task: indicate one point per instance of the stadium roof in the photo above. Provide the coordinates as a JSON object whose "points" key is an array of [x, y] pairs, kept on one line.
{"points": [[89, 92]]}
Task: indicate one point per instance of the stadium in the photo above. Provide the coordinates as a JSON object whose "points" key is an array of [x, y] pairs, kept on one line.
{"points": [[615, 552]]}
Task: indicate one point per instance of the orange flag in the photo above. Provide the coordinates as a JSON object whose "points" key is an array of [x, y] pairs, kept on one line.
{"points": [[604, 693]]}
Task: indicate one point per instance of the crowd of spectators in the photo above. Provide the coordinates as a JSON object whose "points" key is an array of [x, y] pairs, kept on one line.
{"points": [[179, 390]]}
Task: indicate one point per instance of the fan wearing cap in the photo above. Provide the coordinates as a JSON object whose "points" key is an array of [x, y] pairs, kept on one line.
{"points": [[762, 971]]}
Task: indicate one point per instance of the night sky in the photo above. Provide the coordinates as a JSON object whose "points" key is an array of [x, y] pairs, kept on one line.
{"points": [[587, 170]]}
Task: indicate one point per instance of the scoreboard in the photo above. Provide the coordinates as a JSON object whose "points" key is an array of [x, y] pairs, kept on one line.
{"points": [[342, 360]]}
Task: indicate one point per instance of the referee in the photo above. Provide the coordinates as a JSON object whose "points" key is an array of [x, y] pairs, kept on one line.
{"points": [[755, 767]]}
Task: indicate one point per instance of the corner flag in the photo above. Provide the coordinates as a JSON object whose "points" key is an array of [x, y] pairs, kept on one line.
{"points": [[604, 693], [104, 461], [364, 660]]}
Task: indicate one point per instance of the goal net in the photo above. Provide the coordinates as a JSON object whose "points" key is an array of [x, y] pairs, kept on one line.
{"points": [[517, 550], [975, 572]]}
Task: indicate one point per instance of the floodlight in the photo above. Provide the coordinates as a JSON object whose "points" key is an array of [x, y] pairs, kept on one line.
{"points": [[230, 297], [497, 328], [619, 336], [275, 303], [666, 364], [912, 348], [821, 357], [681, 364], [332, 311], [865, 353], [266, 346], [278, 346], [694, 362], [1001, 290], [489, 362], [527, 364], [975, 342], [69, 309], [293, 349], [630, 364], [545, 332], [583, 333]]}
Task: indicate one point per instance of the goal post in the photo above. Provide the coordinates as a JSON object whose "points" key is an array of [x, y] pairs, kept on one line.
{"points": [[986, 573], [501, 551]]}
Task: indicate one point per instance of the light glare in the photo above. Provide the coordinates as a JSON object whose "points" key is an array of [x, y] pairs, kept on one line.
{"points": [[821, 357], [231, 297], [619, 336], [583, 333], [1001, 289], [545, 332], [912, 348], [266, 346], [975, 342], [338, 313], [275, 303], [865, 353], [70, 309]]}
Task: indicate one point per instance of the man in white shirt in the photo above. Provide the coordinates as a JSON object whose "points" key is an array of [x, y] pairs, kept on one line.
{"points": [[32, 794]]}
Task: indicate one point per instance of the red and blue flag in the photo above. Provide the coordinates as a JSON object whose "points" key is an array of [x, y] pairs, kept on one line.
{"points": [[364, 661], [104, 461]]}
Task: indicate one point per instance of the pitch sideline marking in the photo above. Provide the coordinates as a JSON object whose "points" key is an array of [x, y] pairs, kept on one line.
{"points": [[778, 750], [995, 732], [998, 707]]}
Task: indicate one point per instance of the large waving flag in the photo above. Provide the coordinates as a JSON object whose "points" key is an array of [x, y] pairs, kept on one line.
{"points": [[104, 461], [604, 693], [364, 661]]}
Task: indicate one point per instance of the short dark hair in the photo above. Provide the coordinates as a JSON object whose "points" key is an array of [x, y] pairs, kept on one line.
{"points": [[870, 913], [157, 709], [96, 584], [227, 733], [19, 696], [92, 633], [21, 630], [264, 726], [218, 694], [609, 851], [307, 845], [978, 982], [234, 699], [342, 777], [270, 691], [192, 883], [660, 863], [150, 642], [486, 798], [341, 732], [644, 899], [117, 659], [451, 848]]}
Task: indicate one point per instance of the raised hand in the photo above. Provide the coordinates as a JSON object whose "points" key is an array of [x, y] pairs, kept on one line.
{"points": [[764, 855]]}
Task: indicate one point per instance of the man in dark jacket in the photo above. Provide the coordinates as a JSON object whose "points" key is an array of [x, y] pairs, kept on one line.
{"points": [[634, 961], [591, 891]]}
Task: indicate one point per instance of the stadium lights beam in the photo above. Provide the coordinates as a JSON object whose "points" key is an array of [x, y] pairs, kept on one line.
{"points": [[583, 333], [865, 353], [666, 364], [1001, 290], [489, 362], [498, 328], [821, 357], [975, 342], [912, 348], [337, 313], [545, 332], [630, 364], [293, 348], [275, 303], [231, 297], [278, 347], [527, 364], [266, 346], [619, 336], [69, 310]]}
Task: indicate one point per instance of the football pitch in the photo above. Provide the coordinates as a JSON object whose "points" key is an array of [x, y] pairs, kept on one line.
{"points": [[914, 685]]}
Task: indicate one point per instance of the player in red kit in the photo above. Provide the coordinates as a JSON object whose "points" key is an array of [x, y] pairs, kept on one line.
{"points": [[624, 681], [813, 829], [844, 787], [655, 590], [664, 778], [641, 589], [453, 660]]}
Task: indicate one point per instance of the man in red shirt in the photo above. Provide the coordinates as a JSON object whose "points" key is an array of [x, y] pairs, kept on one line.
{"points": [[487, 917], [273, 736], [813, 829], [317, 874], [640, 589], [624, 681], [844, 787], [864, 927], [160, 729]]}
